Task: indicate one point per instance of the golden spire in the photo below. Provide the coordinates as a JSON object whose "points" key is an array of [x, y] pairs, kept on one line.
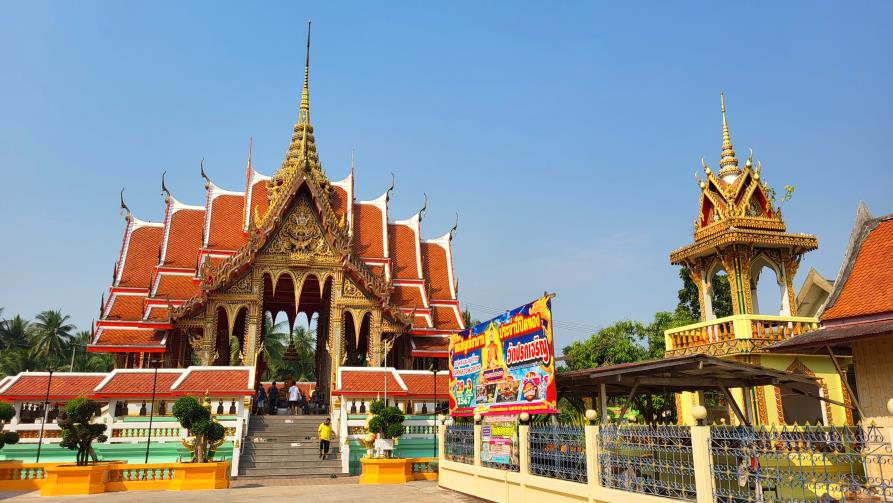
{"points": [[728, 164], [302, 137]]}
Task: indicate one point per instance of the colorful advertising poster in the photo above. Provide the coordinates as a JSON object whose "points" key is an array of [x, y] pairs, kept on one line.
{"points": [[505, 365], [499, 441]]}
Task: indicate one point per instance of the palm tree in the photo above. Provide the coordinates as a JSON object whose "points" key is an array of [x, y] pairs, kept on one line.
{"points": [[14, 333], [275, 341], [52, 332], [21, 360], [235, 350]]}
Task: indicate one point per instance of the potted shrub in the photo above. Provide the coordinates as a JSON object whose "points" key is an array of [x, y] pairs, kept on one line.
{"points": [[7, 412], [386, 422], [79, 431], [207, 434]]}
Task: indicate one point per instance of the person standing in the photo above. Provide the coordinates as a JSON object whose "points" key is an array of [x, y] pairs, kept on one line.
{"points": [[325, 437], [293, 398], [273, 396], [260, 400]]}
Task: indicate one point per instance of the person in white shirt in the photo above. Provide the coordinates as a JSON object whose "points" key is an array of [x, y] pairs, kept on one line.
{"points": [[293, 394]]}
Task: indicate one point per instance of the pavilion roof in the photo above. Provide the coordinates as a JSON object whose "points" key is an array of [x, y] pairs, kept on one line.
{"points": [[366, 381], [124, 383], [696, 372]]}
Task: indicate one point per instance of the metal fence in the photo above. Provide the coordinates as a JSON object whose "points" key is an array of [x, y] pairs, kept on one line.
{"points": [[459, 443], [654, 460], [558, 452], [788, 464]]}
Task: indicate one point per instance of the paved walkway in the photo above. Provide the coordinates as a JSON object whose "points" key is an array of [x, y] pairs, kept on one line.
{"points": [[342, 489]]}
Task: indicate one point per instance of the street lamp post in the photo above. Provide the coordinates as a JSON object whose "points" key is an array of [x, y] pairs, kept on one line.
{"points": [[152, 409], [434, 373], [46, 410]]}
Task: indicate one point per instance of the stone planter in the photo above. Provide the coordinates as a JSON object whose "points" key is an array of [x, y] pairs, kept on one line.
{"points": [[63, 480], [193, 476], [386, 471]]}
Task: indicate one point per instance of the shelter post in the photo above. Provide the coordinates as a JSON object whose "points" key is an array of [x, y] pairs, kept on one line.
{"points": [[603, 402], [700, 451]]}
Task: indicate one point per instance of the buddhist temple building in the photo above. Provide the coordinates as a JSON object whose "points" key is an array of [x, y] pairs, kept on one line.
{"points": [[291, 241], [740, 232]]}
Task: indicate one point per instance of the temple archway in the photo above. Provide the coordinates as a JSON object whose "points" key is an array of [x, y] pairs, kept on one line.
{"points": [[221, 340], [767, 287]]}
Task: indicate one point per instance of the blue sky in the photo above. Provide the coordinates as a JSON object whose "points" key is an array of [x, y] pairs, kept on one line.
{"points": [[565, 134]]}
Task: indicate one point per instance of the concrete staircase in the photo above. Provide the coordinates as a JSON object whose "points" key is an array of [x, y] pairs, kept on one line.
{"points": [[286, 447]]}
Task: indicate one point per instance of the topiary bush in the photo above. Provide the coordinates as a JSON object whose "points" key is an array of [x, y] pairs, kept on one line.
{"points": [[78, 429], [7, 412], [386, 421], [207, 434]]}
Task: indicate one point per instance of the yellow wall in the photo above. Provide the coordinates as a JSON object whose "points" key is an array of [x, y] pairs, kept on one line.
{"points": [[823, 369], [874, 378]]}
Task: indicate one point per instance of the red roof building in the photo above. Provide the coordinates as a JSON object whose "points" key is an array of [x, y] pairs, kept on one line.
{"points": [[282, 243]]}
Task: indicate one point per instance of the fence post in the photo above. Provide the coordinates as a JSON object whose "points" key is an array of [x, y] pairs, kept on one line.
{"points": [[477, 446], [592, 457], [524, 448], [700, 453], [441, 442]]}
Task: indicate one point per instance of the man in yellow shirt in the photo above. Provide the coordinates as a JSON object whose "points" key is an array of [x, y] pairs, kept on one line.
{"points": [[325, 436]]}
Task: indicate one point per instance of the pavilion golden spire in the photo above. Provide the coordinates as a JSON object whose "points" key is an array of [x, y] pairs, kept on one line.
{"points": [[728, 164], [302, 138]]}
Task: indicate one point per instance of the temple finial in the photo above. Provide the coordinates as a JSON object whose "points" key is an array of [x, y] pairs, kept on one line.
{"points": [[250, 141], [164, 192], [204, 175], [424, 207], [304, 117], [124, 207], [302, 145], [728, 164], [353, 160]]}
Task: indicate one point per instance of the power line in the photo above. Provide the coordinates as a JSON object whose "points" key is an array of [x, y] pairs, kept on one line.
{"points": [[570, 326]]}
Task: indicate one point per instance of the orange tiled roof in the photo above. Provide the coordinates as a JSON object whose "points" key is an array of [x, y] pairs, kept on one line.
{"points": [[225, 232], [403, 240], [437, 270], [368, 231], [141, 257], [420, 384], [63, 385], [184, 238], [868, 288], [430, 344], [408, 296], [141, 337], [369, 382], [175, 286], [259, 202], [126, 307], [158, 313], [445, 318], [339, 205], [214, 380], [139, 383]]}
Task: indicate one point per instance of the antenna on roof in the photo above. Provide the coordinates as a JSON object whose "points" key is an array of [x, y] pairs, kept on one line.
{"points": [[204, 175], [124, 205], [164, 192], [424, 207]]}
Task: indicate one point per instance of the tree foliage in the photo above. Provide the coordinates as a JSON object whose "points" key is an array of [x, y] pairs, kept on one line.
{"points": [[23, 345], [78, 429], [7, 412], [386, 421], [205, 432], [630, 341], [690, 303]]}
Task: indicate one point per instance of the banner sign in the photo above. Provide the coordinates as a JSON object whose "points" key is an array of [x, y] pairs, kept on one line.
{"points": [[499, 441], [505, 365]]}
